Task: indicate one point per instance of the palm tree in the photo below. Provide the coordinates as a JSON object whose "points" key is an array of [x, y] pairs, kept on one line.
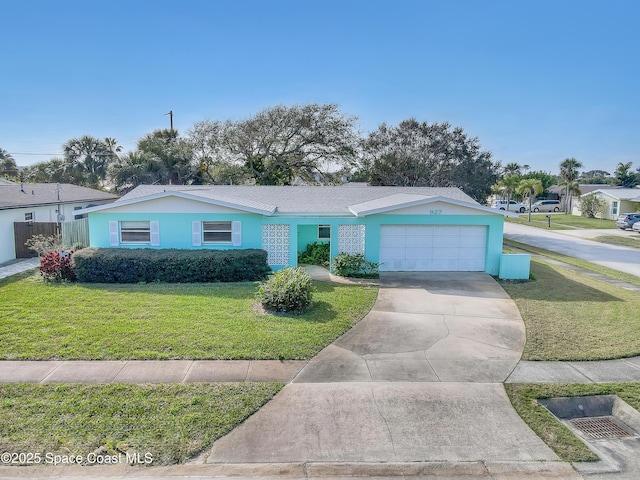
{"points": [[530, 187], [8, 166], [88, 158], [624, 176], [137, 168], [512, 168], [508, 185], [569, 173]]}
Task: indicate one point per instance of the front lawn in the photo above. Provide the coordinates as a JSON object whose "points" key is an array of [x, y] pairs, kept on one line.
{"points": [[163, 424], [570, 448], [167, 321], [560, 221], [571, 316], [631, 241], [576, 262]]}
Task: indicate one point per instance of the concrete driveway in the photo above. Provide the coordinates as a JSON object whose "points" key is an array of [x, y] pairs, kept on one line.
{"points": [[427, 327], [624, 259], [417, 380]]}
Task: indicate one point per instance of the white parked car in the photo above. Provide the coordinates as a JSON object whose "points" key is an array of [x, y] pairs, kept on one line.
{"points": [[513, 206], [636, 227]]}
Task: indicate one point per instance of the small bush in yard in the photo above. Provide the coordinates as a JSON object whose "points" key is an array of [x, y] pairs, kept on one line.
{"points": [[56, 267], [288, 290], [316, 254], [347, 265]]}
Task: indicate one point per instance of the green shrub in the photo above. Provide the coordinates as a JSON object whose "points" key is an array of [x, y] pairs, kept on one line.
{"points": [[120, 265], [356, 265], [317, 253], [288, 290]]}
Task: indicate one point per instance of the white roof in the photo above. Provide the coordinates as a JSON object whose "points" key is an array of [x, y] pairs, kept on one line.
{"points": [[292, 200], [619, 193]]}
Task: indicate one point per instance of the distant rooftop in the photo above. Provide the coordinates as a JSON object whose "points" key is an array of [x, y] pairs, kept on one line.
{"points": [[34, 194]]}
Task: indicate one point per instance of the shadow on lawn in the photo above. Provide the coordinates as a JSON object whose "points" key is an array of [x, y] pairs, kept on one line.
{"points": [[551, 285], [218, 289]]}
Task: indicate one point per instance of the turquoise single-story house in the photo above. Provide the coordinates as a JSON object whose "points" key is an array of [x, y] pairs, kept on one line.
{"points": [[402, 228]]}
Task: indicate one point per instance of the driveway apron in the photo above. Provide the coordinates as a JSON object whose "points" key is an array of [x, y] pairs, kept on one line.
{"points": [[419, 379]]}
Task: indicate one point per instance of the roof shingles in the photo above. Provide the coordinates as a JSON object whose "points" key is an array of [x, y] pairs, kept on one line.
{"points": [[300, 199], [34, 194]]}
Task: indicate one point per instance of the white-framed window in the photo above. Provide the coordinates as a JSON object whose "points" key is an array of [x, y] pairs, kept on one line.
{"points": [[614, 207], [216, 232], [324, 232], [134, 232], [29, 217]]}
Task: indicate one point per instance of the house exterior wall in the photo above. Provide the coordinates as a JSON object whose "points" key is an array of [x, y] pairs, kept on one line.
{"points": [[308, 234], [44, 213], [624, 206], [175, 229]]}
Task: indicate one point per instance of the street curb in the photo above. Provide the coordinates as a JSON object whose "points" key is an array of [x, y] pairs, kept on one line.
{"points": [[473, 469]]}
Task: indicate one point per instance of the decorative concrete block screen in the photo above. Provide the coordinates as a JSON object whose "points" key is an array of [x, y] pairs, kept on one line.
{"points": [[275, 240], [351, 239]]}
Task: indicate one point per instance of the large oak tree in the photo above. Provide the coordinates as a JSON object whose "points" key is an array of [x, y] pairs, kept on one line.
{"points": [[425, 154]]}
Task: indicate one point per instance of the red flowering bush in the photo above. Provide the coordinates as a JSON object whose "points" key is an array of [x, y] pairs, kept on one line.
{"points": [[56, 266]]}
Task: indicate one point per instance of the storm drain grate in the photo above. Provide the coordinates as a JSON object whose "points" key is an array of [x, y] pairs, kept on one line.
{"points": [[599, 427]]}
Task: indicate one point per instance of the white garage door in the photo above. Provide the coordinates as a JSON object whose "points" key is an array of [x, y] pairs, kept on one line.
{"points": [[432, 247]]}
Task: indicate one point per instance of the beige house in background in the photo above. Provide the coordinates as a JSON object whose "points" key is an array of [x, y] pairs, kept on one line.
{"points": [[617, 201]]}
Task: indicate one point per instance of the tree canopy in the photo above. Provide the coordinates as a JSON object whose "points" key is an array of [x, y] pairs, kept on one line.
{"points": [[8, 166], [282, 143], [434, 155]]}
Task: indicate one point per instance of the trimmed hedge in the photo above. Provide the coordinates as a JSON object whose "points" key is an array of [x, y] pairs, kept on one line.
{"points": [[120, 265]]}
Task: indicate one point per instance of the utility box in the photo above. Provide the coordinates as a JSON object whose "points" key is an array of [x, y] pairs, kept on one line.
{"points": [[515, 266]]}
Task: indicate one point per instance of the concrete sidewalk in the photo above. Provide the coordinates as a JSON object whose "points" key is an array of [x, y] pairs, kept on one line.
{"points": [[19, 266], [149, 371], [605, 371]]}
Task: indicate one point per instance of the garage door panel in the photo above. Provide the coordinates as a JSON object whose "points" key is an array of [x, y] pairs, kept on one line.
{"points": [[446, 241], [419, 230], [472, 253], [393, 241], [447, 229], [418, 252], [432, 247], [419, 241], [470, 264], [472, 241]]}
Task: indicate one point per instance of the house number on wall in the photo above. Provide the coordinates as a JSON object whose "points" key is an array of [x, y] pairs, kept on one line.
{"points": [[435, 212]]}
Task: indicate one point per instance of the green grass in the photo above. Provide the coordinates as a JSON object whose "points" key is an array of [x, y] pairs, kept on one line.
{"points": [[571, 316], [560, 221], [170, 422], [561, 440], [576, 262], [167, 321], [633, 242]]}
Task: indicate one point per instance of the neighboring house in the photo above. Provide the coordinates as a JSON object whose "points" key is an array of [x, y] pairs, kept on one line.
{"points": [[557, 192], [41, 202], [403, 228], [617, 201]]}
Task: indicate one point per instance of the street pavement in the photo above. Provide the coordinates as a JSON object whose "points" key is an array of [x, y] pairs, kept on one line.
{"points": [[624, 259]]}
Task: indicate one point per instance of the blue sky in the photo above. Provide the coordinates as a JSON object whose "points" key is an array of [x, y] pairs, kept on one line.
{"points": [[535, 81]]}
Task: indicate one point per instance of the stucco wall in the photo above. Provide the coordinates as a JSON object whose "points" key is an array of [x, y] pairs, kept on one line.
{"points": [[175, 230]]}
